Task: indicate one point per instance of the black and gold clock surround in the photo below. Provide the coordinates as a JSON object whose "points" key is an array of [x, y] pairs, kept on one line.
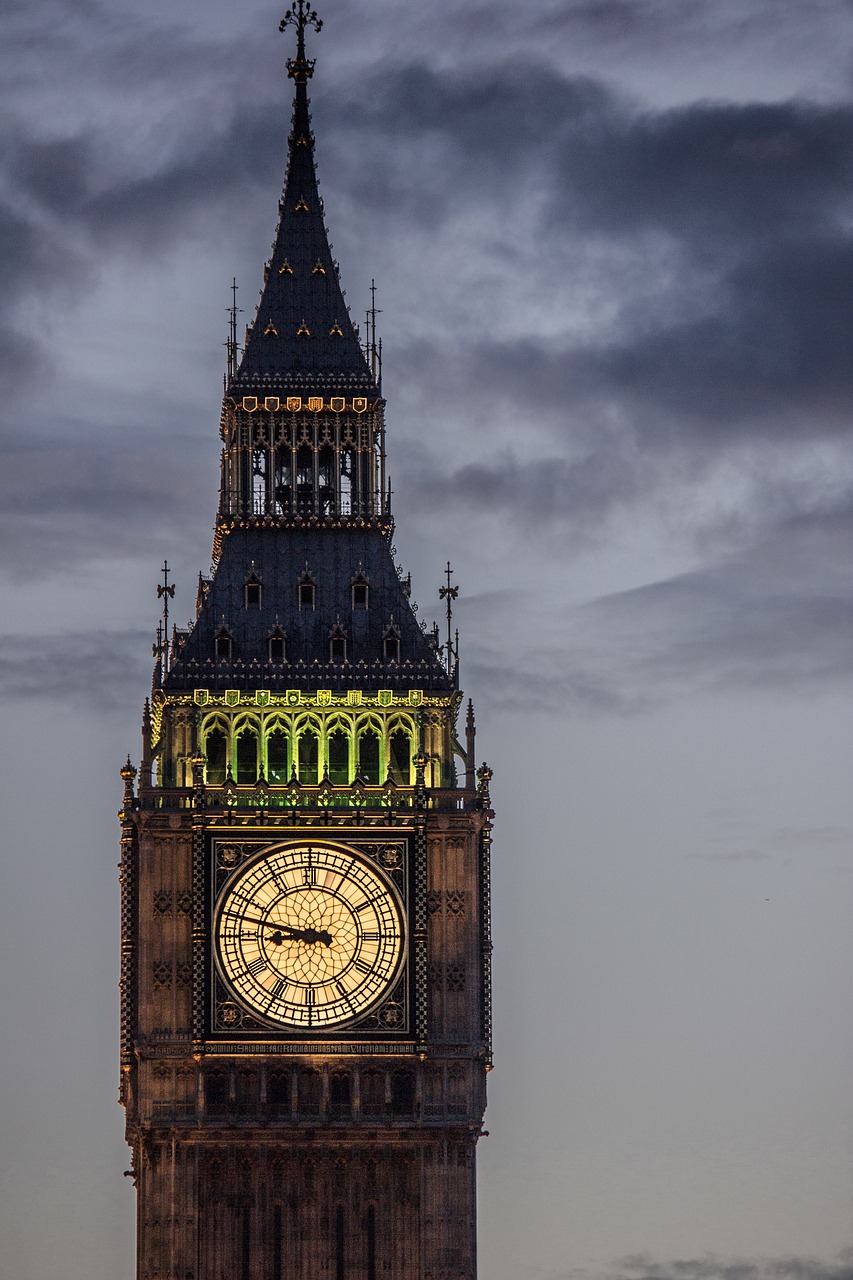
{"points": [[309, 937]]}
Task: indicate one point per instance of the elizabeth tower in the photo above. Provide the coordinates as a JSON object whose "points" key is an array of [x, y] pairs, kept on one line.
{"points": [[305, 872]]}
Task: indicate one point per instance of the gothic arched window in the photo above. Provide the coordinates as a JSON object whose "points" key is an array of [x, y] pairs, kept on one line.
{"points": [[308, 757], [247, 756], [368, 756], [339, 758], [278, 771]]}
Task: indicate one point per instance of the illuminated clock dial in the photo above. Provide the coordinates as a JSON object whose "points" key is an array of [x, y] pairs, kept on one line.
{"points": [[308, 936]]}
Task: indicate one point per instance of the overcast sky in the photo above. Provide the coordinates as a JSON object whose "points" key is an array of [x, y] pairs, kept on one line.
{"points": [[613, 242]]}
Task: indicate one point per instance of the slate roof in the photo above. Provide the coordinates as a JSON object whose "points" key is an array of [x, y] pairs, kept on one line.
{"points": [[277, 558], [302, 336]]}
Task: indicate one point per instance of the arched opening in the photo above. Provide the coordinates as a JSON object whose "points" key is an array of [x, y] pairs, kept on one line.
{"points": [[339, 758], [400, 757], [283, 491], [304, 479], [368, 756], [308, 757], [326, 480], [216, 754], [346, 481], [278, 763], [247, 756]]}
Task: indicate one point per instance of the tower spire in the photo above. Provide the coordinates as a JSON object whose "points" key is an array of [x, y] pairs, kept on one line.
{"points": [[300, 15]]}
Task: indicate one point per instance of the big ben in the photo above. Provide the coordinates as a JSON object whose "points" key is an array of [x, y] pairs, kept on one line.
{"points": [[305, 1029]]}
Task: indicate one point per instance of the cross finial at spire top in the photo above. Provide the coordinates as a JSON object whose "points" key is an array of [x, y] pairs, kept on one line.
{"points": [[300, 15]]}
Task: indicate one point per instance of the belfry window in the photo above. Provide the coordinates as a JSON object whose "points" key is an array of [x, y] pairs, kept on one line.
{"points": [[247, 756], [216, 753], [400, 757], [308, 758], [368, 757], [339, 758], [277, 758]]}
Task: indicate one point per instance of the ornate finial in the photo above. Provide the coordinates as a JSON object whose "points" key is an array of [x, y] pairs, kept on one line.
{"points": [[450, 593], [300, 15], [165, 592]]}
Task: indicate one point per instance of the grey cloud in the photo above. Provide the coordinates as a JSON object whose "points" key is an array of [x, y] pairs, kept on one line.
{"points": [[97, 669], [714, 1267]]}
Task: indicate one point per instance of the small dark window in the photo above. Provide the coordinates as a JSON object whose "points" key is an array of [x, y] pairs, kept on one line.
{"points": [[402, 1093], [372, 1093], [391, 642], [360, 591], [310, 1093], [278, 1093], [216, 1094], [222, 647], [340, 1095], [276, 648], [252, 594], [306, 595]]}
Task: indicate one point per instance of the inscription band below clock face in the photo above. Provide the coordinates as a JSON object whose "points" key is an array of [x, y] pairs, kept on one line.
{"points": [[308, 936]]}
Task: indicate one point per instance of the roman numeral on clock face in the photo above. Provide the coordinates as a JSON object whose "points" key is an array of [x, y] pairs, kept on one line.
{"points": [[256, 966]]}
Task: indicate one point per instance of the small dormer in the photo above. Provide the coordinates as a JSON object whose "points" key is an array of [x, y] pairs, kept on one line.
{"points": [[223, 644], [253, 591], [338, 643], [391, 641], [306, 591], [276, 648], [360, 591]]}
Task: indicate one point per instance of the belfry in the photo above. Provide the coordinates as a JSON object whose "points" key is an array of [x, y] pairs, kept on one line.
{"points": [[305, 945]]}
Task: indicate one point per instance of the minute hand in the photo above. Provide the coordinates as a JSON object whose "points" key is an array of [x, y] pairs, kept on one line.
{"points": [[285, 930]]}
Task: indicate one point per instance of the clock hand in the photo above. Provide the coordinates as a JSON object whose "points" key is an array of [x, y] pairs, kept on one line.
{"points": [[286, 931]]}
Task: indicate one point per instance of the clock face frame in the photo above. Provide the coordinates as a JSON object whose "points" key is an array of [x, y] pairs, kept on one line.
{"points": [[309, 935]]}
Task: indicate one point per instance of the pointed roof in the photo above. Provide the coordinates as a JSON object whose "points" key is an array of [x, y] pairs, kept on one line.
{"points": [[302, 336]]}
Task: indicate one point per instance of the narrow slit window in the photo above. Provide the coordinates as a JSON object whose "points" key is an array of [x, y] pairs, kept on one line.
{"points": [[391, 642], [252, 593], [371, 1242], [306, 595], [276, 648], [223, 647], [360, 594], [339, 1243]]}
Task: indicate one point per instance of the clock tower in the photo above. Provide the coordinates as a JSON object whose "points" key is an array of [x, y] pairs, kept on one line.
{"points": [[305, 1027]]}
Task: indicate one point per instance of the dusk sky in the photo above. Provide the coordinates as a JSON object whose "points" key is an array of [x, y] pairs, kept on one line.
{"points": [[613, 247]]}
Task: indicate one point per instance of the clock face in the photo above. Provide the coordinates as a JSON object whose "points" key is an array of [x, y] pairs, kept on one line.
{"points": [[308, 936]]}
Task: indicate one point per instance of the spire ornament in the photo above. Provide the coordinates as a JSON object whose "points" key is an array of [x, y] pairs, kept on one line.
{"points": [[300, 15]]}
